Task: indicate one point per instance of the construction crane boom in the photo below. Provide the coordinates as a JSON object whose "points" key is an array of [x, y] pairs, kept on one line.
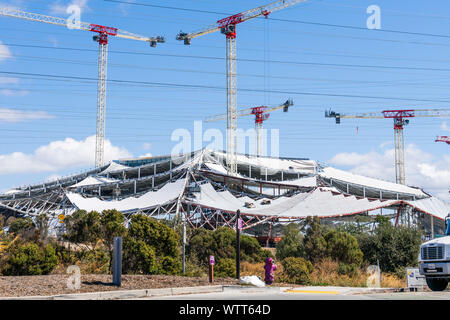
{"points": [[445, 139], [102, 38], [399, 122], [261, 114], [238, 18], [227, 26]]}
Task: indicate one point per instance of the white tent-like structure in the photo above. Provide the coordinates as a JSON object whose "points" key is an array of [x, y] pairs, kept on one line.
{"points": [[197, 186]]}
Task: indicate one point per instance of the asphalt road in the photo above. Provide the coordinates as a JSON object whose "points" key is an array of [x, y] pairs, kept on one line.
{"points": [[308, 293]]}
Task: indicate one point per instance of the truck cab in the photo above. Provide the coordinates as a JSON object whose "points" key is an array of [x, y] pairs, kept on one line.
{"points": [[434, 260]]}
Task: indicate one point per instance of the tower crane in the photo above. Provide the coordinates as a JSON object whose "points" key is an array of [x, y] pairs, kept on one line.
{"points": [[261, 114], [102, 34], [445, 139], [399, 117], [227, 26]]}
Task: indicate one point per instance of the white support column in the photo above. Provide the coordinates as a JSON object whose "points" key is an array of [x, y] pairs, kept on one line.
{"points": [[139, 173], [134, 186]]}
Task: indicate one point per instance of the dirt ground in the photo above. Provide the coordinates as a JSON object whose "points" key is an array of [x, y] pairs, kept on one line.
{"points": [[55, 284]]}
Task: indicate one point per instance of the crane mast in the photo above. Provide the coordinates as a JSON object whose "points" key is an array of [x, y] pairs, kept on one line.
{"points": [[102, 38], [227, 26], [399, 117]]}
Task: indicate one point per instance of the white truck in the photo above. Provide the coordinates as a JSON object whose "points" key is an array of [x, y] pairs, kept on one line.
{"points": [[434, 260]]}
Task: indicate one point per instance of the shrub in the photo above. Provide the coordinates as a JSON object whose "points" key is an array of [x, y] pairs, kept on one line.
{"points": [[29, 259], [138, 257], [83, 227], [21, 225], [297, 270], [394, 247], [350, 269], [150, 247], [225, 267], [291, 244], [343, 247]]}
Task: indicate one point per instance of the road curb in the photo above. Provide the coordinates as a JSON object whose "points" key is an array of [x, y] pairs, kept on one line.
{"points": [[124, 294]]}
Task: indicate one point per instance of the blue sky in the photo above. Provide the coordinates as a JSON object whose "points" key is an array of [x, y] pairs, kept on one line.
{"points": [[324, 57]]}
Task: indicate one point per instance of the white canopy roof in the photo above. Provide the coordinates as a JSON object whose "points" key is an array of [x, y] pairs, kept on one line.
{"points": [[114, 167], [167, 193], [322, 203], [333, 173], [92, 180]]}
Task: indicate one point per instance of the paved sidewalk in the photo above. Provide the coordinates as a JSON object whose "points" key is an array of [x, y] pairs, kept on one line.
{"points": [[148, 293]]}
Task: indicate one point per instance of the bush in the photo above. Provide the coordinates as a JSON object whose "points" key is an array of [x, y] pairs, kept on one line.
{"points": [[29, 258], [83, 227], [225, 267], [150, 247], [343, 247], [21, 226], [297, 270], [138, 257], [291, 244], [348, 269], [394, 247]]}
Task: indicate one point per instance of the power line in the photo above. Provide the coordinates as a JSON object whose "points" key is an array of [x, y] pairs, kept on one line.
{"points": [[196, 86], [287, 20], [243, 59]]}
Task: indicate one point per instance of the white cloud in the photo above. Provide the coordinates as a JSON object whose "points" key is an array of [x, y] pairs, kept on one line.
{"points": [[11, 92], [58, 155], [5, 53], [423, 169], [11, 115], [9, 80], [147, 155], [146, 146], [444, 126], [60, 7]]}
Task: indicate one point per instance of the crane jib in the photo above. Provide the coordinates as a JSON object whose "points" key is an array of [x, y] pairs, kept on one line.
{"points": [[398, 113], [104, 30]]}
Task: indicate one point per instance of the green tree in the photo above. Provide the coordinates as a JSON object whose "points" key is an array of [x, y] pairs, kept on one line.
{"points": [[315, 245], [42, 225], [394, 247], [291, 244], [343, 247], [112, 225], [84, 227], [29, 259], [21, 226], [151, 247]]}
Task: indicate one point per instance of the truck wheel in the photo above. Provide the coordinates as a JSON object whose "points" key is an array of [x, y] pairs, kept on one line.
{"points": [[436, 284]]}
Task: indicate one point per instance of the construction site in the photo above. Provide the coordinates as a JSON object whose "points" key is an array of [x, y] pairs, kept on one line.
{"points": [[212, 188]]}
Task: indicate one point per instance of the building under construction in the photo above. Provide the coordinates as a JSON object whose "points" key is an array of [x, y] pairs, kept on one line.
{"points": [[269, 192]]}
